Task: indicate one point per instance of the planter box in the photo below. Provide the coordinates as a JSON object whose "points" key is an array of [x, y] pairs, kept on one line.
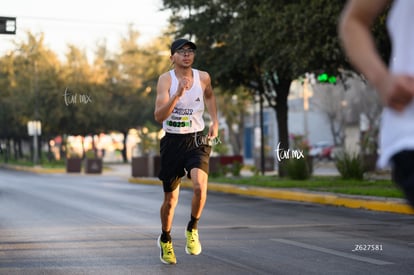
{"points": [[146, 166], [216, 164], [93, 166], [141, 166], [73, 165], [269, 164]]}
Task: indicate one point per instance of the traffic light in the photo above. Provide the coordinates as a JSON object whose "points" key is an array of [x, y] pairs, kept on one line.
{"points": [[325, 78], [7, 25]]}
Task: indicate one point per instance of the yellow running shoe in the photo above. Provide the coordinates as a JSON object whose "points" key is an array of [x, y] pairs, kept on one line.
{"points": [[193, 246], [167, 255]]}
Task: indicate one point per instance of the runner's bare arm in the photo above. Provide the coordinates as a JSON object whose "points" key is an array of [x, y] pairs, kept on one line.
{"points": [[395, 90], [355, 33], [164, 104], [210, 100]]}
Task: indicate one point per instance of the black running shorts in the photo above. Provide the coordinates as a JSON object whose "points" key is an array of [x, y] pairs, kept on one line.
{"points": [[179, 154]]}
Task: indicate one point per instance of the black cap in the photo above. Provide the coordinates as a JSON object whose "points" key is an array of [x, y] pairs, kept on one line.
{"points": [[179, 43]]}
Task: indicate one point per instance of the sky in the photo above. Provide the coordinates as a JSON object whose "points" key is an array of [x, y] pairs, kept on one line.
{"points": [[82, 22]]}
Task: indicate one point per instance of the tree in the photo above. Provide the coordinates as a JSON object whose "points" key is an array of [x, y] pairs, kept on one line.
{"points": [[114, 93], [29, 90], [331, 101], [131, 82], [233, 106], [264, 45]]}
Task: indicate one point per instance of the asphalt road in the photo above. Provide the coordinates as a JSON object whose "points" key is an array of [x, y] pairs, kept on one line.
{"points": [[101, 224]]}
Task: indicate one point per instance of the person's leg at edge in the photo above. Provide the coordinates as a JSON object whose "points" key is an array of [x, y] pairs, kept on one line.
{"points": [[403, 173], [200, 180]]}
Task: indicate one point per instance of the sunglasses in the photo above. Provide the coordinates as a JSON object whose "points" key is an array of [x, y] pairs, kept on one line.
{"points": [[185, 51]]}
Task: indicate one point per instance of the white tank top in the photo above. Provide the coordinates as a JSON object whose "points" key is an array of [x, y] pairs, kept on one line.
{"points": [[397, 129], [187, 116]]}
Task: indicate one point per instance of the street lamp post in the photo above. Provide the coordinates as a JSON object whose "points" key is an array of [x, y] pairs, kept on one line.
{"points": [[259, 135], [305, 108], [307, 93], [262, 141], [36, 125]]}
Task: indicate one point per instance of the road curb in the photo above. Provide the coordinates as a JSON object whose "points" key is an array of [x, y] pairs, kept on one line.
{"points": [[375, 204]]}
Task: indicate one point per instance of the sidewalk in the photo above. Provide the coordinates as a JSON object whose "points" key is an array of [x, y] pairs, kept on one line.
{"points": [[363, 202]]}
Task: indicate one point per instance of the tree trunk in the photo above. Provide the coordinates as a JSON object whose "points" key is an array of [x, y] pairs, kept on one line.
{"points": [[235, 140], [20, 149], [7, 151], [124, 149], [281, 109], [15, 149]]}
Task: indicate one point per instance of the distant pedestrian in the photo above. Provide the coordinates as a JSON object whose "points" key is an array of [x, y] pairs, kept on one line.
{"points": [[395, 84], [181, 95]]}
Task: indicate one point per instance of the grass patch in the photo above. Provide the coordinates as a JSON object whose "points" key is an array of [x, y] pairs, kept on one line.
{"points": [[21, 162], [54, 164], [59, 164], [379, 188]]}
